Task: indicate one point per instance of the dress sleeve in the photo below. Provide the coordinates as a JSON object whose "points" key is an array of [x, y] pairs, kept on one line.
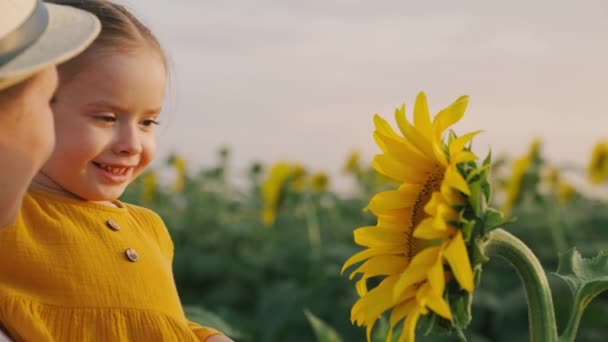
{"points": [[202, 332]]}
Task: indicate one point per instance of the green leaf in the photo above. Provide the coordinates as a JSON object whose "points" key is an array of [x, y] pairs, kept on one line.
{"points": [[323, 332], [203, 317], [587, 278], [381, 330]]}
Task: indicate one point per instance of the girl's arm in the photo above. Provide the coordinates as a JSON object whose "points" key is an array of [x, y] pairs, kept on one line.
{"points": [[206, 334], [218, 338]]}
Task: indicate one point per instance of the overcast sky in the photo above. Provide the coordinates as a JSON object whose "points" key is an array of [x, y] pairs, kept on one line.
{"points": [[301, 80]]}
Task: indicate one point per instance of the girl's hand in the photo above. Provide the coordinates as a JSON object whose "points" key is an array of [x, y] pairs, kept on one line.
{"points": [[218, 338]]}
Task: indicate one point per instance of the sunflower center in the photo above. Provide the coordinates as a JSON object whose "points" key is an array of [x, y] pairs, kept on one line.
{"points": [[432, 184]]}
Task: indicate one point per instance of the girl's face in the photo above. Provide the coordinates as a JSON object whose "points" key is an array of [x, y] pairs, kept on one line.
{"points": [[105, 120]]}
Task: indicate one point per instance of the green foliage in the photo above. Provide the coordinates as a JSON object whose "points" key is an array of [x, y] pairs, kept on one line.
{"points": [[323, 332]]}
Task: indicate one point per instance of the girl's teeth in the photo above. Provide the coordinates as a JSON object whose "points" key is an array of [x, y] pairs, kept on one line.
{"points": [[114, 170]]}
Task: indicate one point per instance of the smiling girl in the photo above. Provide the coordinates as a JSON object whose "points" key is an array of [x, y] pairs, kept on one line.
{"points": [[78, 264]]}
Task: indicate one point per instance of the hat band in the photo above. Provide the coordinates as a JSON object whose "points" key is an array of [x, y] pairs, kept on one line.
{"points": [[25, 35]]}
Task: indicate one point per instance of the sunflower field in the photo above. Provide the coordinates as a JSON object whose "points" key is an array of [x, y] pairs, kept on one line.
{"points": [[267, 260]]}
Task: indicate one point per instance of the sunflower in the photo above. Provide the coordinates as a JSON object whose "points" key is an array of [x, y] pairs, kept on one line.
{"points": [[319, 181], [417, 245], [598, 165], [179, 164], [280, 175], [352, 163], [521, 166], [149, 186]]}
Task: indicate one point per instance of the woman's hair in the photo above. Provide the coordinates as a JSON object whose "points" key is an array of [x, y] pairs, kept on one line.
{"points": [[120, 31]]}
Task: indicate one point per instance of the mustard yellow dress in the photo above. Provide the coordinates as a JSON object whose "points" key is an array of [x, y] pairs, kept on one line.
{"points": [[77, 271]]}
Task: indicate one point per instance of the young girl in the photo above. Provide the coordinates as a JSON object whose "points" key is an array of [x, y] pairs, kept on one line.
{"points": [[79, 265]]}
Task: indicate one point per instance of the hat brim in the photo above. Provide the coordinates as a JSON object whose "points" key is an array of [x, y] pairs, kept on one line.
{"points": [[69, 32]]}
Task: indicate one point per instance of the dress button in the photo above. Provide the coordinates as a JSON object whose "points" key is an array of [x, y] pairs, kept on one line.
{"points": [[131, 254], [112, 225]]}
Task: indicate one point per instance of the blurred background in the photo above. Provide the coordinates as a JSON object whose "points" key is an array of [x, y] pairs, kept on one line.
{"points": [[269, 100], [302, 79]]}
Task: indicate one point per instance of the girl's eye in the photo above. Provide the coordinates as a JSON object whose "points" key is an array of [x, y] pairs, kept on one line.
{"points": [[106, 118], [150, 122]]}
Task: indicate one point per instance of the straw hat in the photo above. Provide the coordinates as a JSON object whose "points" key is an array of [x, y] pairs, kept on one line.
{"points": [[35, 35]]}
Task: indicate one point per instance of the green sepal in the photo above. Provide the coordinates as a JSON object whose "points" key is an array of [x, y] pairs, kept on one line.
{"points": [[494, 219]]}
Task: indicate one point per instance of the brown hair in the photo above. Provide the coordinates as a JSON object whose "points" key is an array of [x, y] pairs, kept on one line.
{"points": [[120, 31]]}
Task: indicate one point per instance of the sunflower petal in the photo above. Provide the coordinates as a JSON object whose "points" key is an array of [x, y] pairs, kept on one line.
{"points": [[402, 151], [422, 120], [417, 270], [436, 277], [413, 135], [434, 301], [384, 128], [397, 219], [409, 327], [369, 307], [370, 252], [396, 170], [381, 265], [374, 236], [462, 156], [457, 256], [458, 144], [450, 115], [454, 179], [393, 199], [426, 230]]}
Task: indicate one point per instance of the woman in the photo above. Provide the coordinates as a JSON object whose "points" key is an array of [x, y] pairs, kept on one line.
{"points": [[34, 38]]}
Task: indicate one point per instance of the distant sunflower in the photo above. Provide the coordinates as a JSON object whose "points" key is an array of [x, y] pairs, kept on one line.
{"points": [[282, 174], [179, 164], [352, 162], [598, 165], [319, 181], [149, 186], [521, 166], [417, 236]]}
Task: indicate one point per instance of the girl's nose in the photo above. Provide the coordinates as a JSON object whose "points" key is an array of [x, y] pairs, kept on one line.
{"points": [[127, 141]]}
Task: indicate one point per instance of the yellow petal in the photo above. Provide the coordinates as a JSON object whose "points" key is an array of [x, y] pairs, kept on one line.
{"points": [[361, 287], [389, 200], [462, 156], [396, 170], [374, 236], [427, 230], [436, 277], [369, 307], [422, 120], [381, 265], [450, 115], [434, 301], [384, 128], [457, 256], [370, 252], [417, 270], [413, 135], [454, 179], [403, 152], [399, 313], [398, 219], [409, 327], [458, 144]]}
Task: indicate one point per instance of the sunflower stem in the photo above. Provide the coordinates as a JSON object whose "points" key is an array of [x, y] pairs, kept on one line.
{"points": [[541, 315], [312, 223]]}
